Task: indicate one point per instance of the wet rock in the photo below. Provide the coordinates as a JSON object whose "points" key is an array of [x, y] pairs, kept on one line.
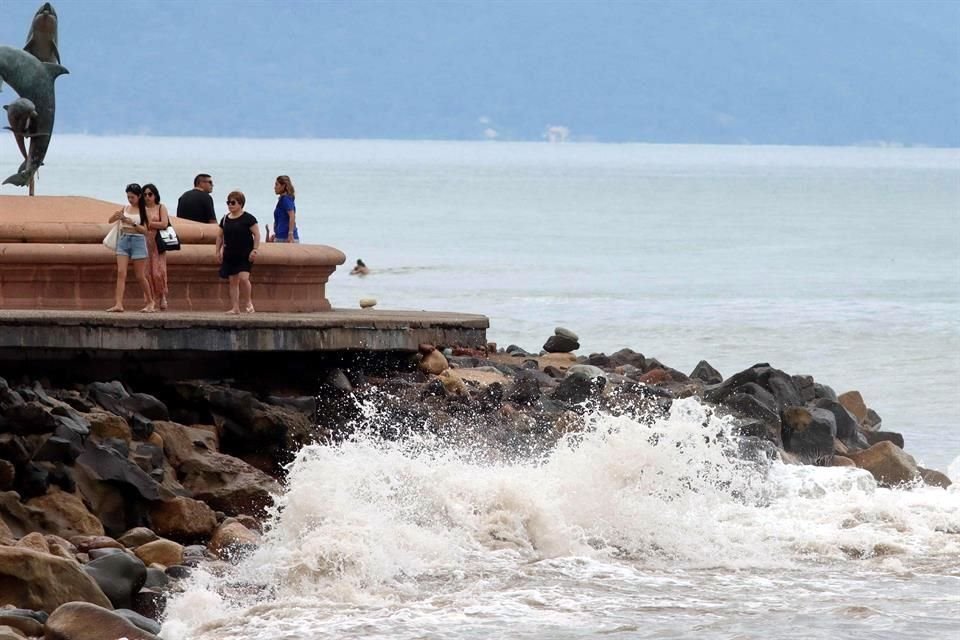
{"points": [[150, 603], [431, 360], [934, 478], [85, 544], [889, 464], [58, 449], [109, 395], [705, 373], [42, 581], [119, 577], [142, 622], [853, 402], [146, 405], [804, 385], [183, 519], [64, 514], [105, 425], [873, 437], [28, 418], [809, 433], [156, 578], [847, 428], [232, 541], [823, 391], [524, 391], [103, 551], [581, 383], [34, 541], [162, 552], [14, 448], [105, 464], [759, 406], [560, 344], [228, 484], [178, 572], [872, 421], [8, 474], [84, 621], [26, 625], [32, 480]]}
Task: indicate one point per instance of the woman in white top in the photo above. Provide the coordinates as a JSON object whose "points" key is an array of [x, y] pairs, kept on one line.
{"points": [[132, 245]]}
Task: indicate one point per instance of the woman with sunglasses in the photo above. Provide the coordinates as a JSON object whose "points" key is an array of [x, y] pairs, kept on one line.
{"points": [[157, 218], [132, 245], [237, 245]]}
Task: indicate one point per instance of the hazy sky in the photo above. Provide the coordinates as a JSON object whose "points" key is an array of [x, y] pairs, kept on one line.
{"points": [[710, 71]]}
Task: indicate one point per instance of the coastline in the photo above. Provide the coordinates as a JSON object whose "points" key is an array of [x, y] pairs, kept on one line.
{"points": [[128, 489]]}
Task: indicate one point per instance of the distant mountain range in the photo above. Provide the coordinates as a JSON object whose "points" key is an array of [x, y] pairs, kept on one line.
{"points": [[683, 71]]}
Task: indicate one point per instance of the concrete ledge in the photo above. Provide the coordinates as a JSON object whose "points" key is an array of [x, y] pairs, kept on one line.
{"points": [[32, 334]]}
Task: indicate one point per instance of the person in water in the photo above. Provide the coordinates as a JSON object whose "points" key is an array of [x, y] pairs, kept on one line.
{"points": [[237, 246], [360, 269], [132, 246], [285, 214]]}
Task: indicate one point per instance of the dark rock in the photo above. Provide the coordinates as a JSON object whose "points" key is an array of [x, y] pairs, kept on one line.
{"points": [[139, 621], [108, 465], [599, 360], [848, 431], [14, 448], [514, 350], [809, 433], [823, 391], [146, 405], [560, 344], [178, 571], [150, 603], [156, 579], [119, 576], [530, 364], [554, 372], [148, 456], [62, 476], [8, 397], [757, 406], [8, 473], [581, 383], [872, 421], [27, 418], [934, 478], [873, 437], [110, 396], [104, 551], [32, 480], [141, 426], [56, 449], [525, 389], [705, 373], [84, 621], [490, 397], [804, 385], [74, 399]]}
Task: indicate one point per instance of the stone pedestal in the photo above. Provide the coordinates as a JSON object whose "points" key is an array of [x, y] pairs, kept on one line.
{"points": [[52, 257]]}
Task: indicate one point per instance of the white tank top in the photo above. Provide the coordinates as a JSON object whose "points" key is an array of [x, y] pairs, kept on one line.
{"points": [[129, 220]]}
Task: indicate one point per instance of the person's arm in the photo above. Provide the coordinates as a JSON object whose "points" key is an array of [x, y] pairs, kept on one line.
{"points": [[255, 232], [220, 244], [163, 222], [292, 212], [208, 209], [116, 216]]}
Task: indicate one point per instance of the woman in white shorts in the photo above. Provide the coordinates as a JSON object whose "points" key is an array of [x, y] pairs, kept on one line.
{"points": [[132, 245]]}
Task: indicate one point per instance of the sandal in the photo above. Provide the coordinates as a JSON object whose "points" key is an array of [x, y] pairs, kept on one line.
{"points": [[249, 308]]}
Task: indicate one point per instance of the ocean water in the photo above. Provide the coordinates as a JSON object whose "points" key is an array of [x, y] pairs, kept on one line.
{"points": [[841, 263]]}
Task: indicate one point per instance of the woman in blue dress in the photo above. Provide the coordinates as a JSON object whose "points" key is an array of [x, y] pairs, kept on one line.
{"points": [[285, 215]]}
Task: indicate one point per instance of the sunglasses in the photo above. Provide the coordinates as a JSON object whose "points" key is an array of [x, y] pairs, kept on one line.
{"points": [[149, 193], [231, 202]]}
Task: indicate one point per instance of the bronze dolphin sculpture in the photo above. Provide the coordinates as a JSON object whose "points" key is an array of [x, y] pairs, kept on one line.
{"points": [[21, 114], [31, 73], [42, 37]]}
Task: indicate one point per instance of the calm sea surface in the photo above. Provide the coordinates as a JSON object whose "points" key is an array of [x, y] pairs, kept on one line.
{"points": [[841, 263]]}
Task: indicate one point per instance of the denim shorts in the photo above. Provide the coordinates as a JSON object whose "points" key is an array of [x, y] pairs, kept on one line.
{"points": [[132, 245]]}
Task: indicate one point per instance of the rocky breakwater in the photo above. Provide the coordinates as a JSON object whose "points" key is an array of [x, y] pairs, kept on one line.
{"points": [[110, 496]]}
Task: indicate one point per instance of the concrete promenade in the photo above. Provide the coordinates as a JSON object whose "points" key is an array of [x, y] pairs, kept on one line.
{"points": [[338, 330]]}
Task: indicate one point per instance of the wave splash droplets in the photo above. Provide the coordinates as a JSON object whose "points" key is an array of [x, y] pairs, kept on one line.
{"points": [[375, 524]]}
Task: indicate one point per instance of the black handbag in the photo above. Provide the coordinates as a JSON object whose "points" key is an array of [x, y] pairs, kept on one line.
{"points": [[167, 239]]}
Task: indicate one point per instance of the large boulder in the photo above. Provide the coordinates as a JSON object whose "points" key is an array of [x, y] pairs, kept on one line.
{"points": [[232, 540], [582, 382], [84, 621], [64, 514], [183, 519], [228, 484], [848, 430], [889, 464], [705, 373], [560, 344], [853, 402], [162, 552], [119, 576], [809, 433], [41, 581]]}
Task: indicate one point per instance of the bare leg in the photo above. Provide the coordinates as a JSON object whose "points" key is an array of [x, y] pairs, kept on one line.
{"points": [[246, 290], [234, 284], [122, 262], [140, 269]]}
